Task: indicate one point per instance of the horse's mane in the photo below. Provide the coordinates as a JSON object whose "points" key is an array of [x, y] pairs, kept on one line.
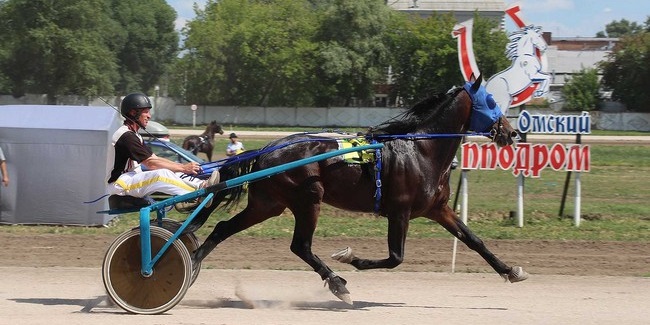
{"points": [[420, 114], [511, 47]]}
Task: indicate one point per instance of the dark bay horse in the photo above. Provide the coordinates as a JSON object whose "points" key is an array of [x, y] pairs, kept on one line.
{"points": [[414, 182], [203, 143]]}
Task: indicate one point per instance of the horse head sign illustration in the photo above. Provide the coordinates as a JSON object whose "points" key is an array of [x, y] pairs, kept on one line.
{"points": [[525, 78]]}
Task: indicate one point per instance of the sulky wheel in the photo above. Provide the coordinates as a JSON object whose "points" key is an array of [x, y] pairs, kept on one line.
{"points": [[189, 240], [140, 294]]}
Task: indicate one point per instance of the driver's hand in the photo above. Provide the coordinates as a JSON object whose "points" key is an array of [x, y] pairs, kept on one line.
{"points": [[192, 168]]}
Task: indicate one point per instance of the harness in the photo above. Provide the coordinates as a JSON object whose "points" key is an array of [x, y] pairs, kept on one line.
{"points": [[357, 157], [363, 157], [485, 112]]}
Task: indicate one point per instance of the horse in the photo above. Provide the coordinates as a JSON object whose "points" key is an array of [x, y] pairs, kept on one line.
{"points": [[526, 68], [203, 142], [419, 146]]}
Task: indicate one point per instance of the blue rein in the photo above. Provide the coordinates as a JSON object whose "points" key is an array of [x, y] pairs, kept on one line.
{"points": [[209, 167]]}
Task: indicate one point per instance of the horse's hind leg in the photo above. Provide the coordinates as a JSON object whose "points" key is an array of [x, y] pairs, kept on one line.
{"points": [[250, 216], [397, 228], [447, 218], [208, 151]]}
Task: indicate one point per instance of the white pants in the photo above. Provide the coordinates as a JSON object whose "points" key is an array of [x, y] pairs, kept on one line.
{"points": [[141, 184]]}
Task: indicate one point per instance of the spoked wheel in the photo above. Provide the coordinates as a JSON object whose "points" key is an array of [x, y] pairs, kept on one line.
{"points": [[140, 294], [189, 240]]}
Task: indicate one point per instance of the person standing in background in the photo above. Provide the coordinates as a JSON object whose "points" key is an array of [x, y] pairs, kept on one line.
{"points": [[3, 169], [235, 146]]}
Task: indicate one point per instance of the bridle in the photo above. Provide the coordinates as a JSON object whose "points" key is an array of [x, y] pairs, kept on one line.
{"points": [[496, 130]]}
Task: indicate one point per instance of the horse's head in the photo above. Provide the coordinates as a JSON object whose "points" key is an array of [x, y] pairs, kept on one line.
{"points": [[215, 128], [534, 35], [486, 116]]}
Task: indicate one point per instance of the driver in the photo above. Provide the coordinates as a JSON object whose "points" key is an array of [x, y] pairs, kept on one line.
{"points": [[161, 175]]}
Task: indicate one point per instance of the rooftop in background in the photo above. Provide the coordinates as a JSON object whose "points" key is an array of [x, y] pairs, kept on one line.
{"points": [[580, 43], [462, 9]]}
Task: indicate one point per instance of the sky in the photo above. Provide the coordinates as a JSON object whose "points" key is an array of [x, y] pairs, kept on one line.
{"points": [[563, 18]]}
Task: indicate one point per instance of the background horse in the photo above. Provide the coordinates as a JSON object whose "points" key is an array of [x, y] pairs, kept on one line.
{"points": [[414, 182], [526, 67], [203, 143]]}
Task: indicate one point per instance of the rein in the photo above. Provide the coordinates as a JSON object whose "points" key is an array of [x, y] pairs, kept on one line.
{"points": [[254, 154], [419, 136], [211, 166]]}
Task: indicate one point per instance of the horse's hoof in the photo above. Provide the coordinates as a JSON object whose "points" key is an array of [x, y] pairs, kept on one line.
{"points": [[344, 255], [336, 285], [345, 297], [517, 274]]}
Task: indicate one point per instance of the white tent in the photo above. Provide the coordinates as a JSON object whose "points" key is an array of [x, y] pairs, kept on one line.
{"points": [[58, 157]]}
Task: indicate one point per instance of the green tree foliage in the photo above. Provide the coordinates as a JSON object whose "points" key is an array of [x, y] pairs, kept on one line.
{"points": [[626, 72], [57, 47], [352, 55], [322, 53], [620, 28], [147, 43], [581, 91], [242, 52], [489, 46], [84, 47], [425, 56]]}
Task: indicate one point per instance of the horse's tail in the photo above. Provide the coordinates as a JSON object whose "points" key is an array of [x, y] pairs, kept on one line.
{"points": [[234, 170], [186, 144], [190, 144], [227, 198]]}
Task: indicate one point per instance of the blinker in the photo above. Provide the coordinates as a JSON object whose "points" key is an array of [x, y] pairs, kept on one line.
{"points": [[485, 110]]}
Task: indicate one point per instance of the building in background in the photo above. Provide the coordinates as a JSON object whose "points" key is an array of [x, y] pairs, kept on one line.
{"points": [[462, 9], [567, 56]]}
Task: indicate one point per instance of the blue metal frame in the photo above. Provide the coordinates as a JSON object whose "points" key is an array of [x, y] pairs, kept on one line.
{"points": [[145, 233]]}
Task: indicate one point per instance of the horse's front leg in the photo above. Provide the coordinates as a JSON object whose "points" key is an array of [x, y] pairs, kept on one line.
{"points": [[448, 219], [397, 228]]}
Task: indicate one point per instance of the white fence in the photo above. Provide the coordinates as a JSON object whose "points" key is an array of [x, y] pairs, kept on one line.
{"points": [[165, 109], [282, 116]]}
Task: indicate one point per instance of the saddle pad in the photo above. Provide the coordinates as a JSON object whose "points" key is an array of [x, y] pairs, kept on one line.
{"points": [[357, 157]]}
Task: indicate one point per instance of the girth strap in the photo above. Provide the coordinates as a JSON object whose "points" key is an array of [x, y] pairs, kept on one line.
{"points": [[377, 179]]}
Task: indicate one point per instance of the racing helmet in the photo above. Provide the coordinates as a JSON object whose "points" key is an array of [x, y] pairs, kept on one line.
{"points": [[135, 100]]}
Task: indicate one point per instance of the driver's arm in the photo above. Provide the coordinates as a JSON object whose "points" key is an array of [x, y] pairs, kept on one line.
{"points": [[155, 162]]}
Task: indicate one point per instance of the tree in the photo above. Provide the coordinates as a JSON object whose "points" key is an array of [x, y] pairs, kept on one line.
{"points": [[351, 56], [57, 47], [581, 91], [425, 56], [147, 43], [489, 46], [620, 28], [243, 52], [626, 72], [84, 47]]}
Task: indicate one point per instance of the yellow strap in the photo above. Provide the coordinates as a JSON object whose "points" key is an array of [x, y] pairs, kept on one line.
{"points": [[152, 180]]}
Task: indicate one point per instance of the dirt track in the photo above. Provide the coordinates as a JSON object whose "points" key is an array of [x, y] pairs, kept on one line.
{"points": [[56, 279], [538, 257], [75, 296]]}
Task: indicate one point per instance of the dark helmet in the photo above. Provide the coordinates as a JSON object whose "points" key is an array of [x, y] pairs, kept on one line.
{"points": [[134, 100], [232, 135]]}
